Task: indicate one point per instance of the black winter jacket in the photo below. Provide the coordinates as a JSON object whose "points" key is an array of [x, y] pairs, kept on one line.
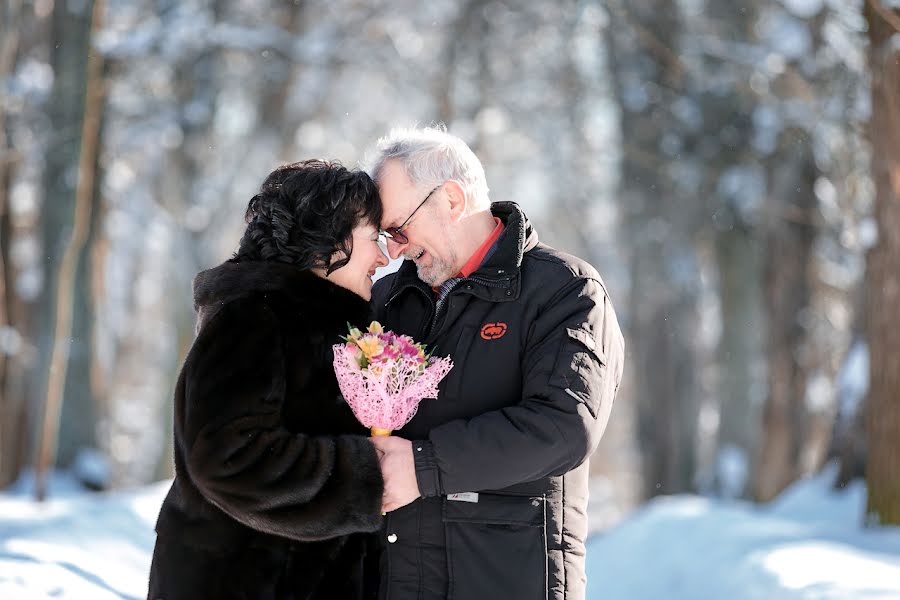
{"points": [[275, 479], [501, 454]]}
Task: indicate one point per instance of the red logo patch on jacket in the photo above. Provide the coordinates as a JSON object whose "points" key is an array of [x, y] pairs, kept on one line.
{"points": [[493, 331]]}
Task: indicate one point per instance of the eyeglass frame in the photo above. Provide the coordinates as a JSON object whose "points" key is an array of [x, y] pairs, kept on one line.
{"points": [[396, 234]]}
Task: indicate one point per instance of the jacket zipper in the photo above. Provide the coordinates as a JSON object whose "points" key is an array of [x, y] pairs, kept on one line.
{"points": [[504, 283], [442, 302]]}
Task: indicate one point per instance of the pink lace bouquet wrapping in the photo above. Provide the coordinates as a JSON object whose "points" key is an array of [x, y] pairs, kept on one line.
{"points": [[383, 376]]}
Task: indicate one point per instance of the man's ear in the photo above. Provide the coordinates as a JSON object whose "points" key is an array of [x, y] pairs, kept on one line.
{"points": [[457, 198]]}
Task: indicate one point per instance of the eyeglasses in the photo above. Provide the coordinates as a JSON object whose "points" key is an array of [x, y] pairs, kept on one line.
{"points": [[396, 233]]}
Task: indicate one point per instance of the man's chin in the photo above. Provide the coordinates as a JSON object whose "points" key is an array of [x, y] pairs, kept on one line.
{"points": [[427, 275], [424, 274]]}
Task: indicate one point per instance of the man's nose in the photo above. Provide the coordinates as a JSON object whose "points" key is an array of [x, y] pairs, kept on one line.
{"points": [[394, 248]]}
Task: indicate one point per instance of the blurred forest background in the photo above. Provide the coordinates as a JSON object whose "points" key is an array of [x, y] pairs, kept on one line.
{"points": [[731, 168]]}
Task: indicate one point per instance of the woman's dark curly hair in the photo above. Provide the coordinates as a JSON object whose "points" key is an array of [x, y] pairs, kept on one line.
{"points": [[305, 212]]}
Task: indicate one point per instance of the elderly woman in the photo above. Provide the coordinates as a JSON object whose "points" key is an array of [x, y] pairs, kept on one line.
{"points": [[275, 482]]}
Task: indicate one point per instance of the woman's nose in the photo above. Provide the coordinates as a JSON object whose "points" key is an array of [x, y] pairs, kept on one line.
{"points": [[381, 260]]}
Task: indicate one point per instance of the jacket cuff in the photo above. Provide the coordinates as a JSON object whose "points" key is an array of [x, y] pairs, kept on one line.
{"points": [[427, 474]]}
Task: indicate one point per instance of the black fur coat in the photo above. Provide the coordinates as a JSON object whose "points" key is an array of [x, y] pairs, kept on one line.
{"points": [[276, 484]]}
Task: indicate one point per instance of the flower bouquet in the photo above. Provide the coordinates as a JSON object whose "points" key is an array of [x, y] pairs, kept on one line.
{"points": [[383, 376]]}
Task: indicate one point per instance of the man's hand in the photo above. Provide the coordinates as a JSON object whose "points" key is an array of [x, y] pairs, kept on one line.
{"points": [[398, 470]]}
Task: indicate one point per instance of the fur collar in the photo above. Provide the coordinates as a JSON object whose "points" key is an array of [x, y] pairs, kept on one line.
{"points": [[237, 278]]}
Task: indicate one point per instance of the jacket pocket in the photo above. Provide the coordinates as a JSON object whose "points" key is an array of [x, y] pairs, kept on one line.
{"points": [[496, 548], [579, 368]]}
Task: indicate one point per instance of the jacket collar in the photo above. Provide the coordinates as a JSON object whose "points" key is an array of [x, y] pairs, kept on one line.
{"points": [[501, 268], [234, 278], [518, 238]]}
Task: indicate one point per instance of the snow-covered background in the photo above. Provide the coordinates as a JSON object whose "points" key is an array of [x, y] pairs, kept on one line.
{"points": [[710, 158], [808, 543]]}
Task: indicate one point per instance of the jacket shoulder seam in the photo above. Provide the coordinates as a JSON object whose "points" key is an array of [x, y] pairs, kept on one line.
{"points": [[575, 278], [546, 257]]}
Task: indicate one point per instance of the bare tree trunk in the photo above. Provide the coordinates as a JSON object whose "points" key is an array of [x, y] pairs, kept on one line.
{"points": [[274, 116], [84, 392], [467, 29], [788, 294], [739, 248], [664, 295], [883, 270], [12, 406], [9, 406], [85, 198], [761, 204], [740, 254], [848, 438]]}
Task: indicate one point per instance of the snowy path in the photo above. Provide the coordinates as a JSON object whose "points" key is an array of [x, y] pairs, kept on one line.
{"points": [[805, 545]]}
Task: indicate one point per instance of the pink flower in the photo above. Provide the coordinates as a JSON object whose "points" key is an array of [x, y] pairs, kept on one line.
{"points": [[390, 352]]}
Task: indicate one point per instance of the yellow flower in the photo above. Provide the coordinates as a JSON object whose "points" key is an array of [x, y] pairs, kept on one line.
{"points": [[354, 334], [375, 327], [370, 346]]}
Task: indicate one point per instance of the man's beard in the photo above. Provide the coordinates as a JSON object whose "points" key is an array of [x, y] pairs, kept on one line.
{"points": [[438, 271]]}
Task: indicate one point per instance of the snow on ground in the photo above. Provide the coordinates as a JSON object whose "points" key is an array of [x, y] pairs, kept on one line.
{"points": [[806, 544], [77, 544]]}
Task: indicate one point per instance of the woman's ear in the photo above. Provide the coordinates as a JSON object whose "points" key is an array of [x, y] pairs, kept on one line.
{"points": [[457, 198]]}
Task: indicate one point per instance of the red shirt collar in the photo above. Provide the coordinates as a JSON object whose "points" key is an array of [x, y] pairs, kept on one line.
{"points": [[476, 259]]}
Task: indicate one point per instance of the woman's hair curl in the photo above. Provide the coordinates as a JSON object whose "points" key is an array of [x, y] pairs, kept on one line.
{"points": [[305, 212]]}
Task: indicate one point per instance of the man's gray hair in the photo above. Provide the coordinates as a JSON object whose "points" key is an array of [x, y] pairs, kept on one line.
{"points": [[430, 157]]}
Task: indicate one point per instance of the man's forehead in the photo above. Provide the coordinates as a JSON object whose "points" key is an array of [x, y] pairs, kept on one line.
{"points": [[390, 206], [395, 190], [393, 177]]}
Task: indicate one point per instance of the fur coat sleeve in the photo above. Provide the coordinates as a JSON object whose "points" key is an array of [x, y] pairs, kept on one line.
{"points": [[239, 453]]}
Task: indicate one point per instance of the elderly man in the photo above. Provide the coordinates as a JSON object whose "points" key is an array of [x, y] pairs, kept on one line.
{"points": [[486, 488]]}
